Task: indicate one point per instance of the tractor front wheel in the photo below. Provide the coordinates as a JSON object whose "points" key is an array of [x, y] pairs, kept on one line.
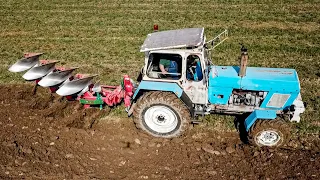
{"points": [[270, 133], [161, 114]]}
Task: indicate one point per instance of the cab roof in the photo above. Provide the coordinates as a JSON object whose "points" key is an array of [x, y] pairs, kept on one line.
{"points": [[179, 38]]}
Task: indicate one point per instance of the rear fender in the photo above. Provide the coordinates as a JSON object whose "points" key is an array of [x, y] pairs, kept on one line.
{"points": [[145, 86], [158, 86]]}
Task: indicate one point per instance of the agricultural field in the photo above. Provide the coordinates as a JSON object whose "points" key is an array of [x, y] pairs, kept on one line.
{"points": [[42, 137]]}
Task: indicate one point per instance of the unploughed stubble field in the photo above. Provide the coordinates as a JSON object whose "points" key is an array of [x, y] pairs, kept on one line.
{"points": [[104, 37]]}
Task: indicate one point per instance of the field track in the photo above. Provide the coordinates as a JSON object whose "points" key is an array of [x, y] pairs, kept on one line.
{"points": [[43, 137]]}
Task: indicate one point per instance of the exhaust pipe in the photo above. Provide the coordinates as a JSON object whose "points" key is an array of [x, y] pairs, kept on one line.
{"points": [[243, 61]]}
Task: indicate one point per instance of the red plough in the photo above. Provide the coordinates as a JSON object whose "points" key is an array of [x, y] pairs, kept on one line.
{"points": [[80, 87], [109, 95]]}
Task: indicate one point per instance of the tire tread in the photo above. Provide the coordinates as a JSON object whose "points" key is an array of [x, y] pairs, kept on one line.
{"points": [[278, 124], [167, 98]]}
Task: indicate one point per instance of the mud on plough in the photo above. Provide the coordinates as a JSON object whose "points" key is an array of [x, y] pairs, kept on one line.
{"points": [[64, 82]]}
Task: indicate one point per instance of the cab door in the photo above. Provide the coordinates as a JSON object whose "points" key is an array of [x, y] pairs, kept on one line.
{"points": [[194, 81]]}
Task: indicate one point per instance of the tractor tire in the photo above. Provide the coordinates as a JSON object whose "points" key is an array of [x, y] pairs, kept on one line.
{"points": [[269, 133], [161, 114]]}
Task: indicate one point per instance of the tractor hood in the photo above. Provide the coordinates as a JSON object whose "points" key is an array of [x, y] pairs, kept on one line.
{"points": [[256, 79]]}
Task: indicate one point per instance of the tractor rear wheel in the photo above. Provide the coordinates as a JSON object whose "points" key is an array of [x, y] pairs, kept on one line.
{"points": [[270, 133], [161, 114]]}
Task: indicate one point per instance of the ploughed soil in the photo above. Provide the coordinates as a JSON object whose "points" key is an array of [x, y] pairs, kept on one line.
{"points": [[43, 136]]}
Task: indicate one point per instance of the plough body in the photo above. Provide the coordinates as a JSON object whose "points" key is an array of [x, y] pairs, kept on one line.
{"points": [[79, 87]]}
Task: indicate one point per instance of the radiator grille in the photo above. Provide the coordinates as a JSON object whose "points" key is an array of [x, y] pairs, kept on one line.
{"points": [[278, 100]]}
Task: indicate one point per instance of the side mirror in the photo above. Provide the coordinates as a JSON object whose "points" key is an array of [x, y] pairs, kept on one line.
{"points": [[140, 76], [243, 48]]}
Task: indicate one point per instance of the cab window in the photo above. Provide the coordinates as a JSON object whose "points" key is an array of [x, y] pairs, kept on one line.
{"points": [[194, 70], [166, 66]]}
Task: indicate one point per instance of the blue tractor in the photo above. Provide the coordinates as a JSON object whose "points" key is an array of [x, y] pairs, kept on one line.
{"points": [[179, 82]]}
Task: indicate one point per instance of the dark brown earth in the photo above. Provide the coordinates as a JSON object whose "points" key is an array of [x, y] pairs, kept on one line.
{"points": [[44, 137]]}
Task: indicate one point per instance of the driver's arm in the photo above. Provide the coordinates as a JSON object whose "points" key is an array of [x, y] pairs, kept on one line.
{"points": [[162, 64], [163, 71]]}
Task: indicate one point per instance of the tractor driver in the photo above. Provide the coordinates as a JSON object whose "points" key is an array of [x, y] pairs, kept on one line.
{"points": [[194, 68], [167, 66]]}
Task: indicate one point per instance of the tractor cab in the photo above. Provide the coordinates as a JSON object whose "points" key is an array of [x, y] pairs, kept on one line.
{"points": [[181, 57], [180, 53], [179, 65]]}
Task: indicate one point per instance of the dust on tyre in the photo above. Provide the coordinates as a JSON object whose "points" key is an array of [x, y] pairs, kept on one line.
{"points": [[269, 133], [161, 114]]}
